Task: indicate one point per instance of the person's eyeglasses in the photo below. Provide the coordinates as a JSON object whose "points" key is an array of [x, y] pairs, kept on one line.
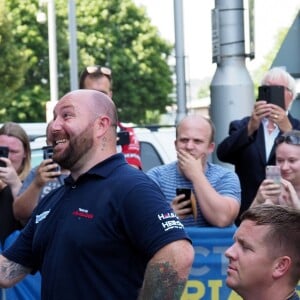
{"points": [[99, 70], [289, 139]]}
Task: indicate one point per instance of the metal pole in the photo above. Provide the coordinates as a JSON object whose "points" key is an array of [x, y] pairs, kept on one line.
{"points": [[231, 88], [73, 46], [52, 51], [180, 60]]}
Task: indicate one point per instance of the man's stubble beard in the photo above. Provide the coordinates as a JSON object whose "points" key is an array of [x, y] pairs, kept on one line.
{"points": [[78, 147]]}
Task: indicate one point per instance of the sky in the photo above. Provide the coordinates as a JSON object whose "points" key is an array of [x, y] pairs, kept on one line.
{"points": [[270, 16]]}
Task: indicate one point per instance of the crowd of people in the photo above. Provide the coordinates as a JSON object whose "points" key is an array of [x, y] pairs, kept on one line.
{"points": [[250, 143], [81, 211]]}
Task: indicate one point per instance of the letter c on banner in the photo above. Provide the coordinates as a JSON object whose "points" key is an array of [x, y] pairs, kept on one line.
{"points": [[202, 269]]}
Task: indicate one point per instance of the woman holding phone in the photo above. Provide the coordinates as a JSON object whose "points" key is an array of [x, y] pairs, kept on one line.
{"points": [[14, 169], [287, 190]]}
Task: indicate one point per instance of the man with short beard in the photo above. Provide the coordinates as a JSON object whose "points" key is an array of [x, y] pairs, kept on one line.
{"points": [[108, 233]]}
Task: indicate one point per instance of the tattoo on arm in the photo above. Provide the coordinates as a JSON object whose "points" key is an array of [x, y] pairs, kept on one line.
{"points": [[11, 272], [162, 282]]}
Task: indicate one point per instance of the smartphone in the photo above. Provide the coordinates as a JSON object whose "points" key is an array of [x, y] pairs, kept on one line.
{"points": [[273, 172], [48, 153], [123, 138], [4, 151], [187, 192], [272, 94]]}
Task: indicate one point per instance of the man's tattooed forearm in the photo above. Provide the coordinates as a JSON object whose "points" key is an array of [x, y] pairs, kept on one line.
{"points": [[162, 282], [10, 270]]}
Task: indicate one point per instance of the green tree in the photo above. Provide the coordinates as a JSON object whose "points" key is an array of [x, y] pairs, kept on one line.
{"points": [[114, 33], [12, 64], [269, 58]]}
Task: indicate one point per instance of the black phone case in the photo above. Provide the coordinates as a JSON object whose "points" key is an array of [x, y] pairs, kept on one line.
{"points": [[47, 152], [3, 153], [272, 94], [123, 138], [187, 192]]}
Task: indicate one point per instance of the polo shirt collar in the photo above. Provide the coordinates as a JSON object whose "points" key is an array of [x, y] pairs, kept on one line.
{"points": [[102, 169]]}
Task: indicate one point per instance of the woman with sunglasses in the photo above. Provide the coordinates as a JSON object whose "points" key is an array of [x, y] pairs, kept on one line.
{"points": [[287, 191]]}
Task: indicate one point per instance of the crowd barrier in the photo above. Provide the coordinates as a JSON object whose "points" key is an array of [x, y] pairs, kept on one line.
{"points": [[208, 273], [207, 276]]}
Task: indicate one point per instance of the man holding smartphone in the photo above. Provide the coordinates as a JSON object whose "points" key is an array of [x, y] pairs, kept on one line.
{"points": [[40, 181], [215, 190], [250, 144]]}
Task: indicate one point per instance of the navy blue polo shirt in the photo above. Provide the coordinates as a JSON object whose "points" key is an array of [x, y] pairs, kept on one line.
{"points": [[92, 239]]}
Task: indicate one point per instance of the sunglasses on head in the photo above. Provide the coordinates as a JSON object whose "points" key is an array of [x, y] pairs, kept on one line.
{"points": [[289, 139], [98, 70]]}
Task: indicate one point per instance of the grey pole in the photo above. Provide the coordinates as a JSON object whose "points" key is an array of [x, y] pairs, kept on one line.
{"points": [[73, 46], [232, 94], [180, 61], [52, 51]]}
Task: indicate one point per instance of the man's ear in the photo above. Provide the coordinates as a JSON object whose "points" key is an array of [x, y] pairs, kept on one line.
{"points": [[102, 123], [281, 266], [211, 148]]}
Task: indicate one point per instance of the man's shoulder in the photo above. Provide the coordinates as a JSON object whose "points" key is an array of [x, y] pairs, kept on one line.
{"points": [[240, 121], [220, 170], [163, 168]]}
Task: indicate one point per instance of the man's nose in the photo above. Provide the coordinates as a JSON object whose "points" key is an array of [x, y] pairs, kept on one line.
{"points": [[56, 124], [189, 145]]}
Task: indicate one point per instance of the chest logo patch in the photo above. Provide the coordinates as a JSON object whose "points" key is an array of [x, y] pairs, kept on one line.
{"points": [[84, 213]]}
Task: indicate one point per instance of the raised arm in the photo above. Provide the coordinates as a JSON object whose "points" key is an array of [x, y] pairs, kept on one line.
{"points": [[11, 272], [9, 176], [218, 208], [168, 271], [28, 197]]}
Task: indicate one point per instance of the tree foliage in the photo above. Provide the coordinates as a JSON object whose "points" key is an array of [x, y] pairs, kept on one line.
{"points": [[12, 63], [113, 33]]}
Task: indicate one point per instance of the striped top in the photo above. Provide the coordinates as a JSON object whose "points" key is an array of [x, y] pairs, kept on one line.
{"points": [[223, 180]]}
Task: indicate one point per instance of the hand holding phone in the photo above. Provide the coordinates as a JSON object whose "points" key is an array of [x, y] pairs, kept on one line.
{"points": [[4, 151]]}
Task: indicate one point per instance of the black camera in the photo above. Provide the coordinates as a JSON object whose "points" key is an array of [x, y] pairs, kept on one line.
{"points": [[3, 153]]}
